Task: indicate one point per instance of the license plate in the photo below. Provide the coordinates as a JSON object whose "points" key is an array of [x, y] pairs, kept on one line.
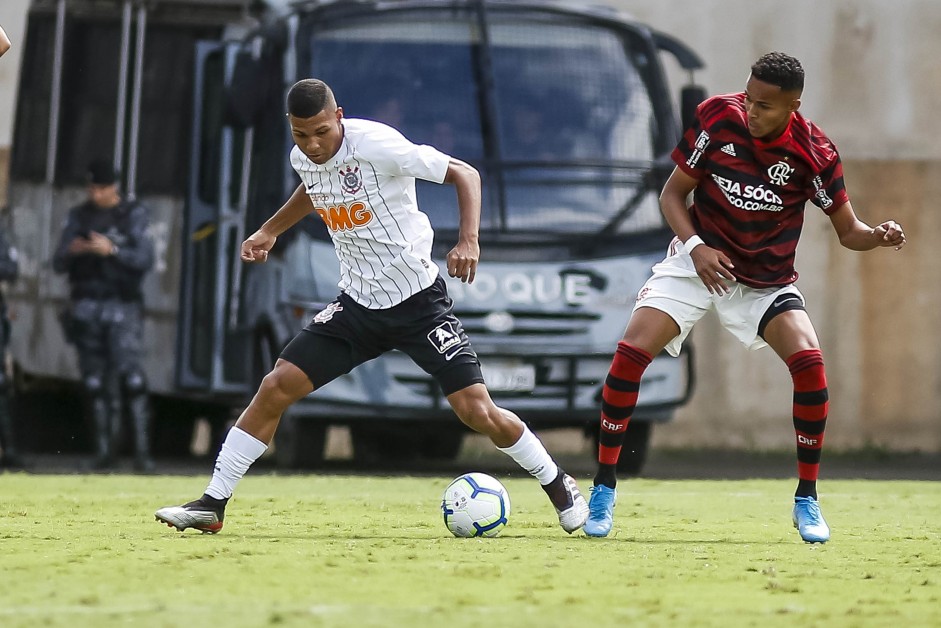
{"points": [[509, 377]]}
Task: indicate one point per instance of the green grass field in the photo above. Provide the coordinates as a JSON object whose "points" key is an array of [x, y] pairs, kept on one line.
{"points": [[373, 551]]}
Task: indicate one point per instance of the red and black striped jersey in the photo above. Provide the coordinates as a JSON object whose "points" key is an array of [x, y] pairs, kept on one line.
{"points": [[749, 202]]}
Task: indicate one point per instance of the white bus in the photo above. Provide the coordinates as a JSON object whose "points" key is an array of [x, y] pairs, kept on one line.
{"points": [[565, 111]]}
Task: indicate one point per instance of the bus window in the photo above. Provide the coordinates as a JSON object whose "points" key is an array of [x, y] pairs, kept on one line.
{"points": [[575, 126], [414, 73], [575, 121], [89, 83], [166, 107], [31, 133]]}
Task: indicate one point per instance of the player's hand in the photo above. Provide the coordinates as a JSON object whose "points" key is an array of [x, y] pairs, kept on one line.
{"points": [[890, 234], [714, 268], [78, 246], [98, 244], [462, 260], [256, 247]]}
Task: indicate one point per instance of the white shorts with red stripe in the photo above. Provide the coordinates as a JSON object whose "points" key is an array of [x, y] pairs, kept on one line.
{"points": [[677, 290]]}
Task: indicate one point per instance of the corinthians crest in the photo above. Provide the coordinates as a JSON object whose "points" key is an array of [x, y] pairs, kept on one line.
{"points": [[350, 180]]}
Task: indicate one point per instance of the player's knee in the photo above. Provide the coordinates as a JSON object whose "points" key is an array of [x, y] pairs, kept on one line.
{"points": [[93, 383], [478, 414], [279, 389], [134, 383]]}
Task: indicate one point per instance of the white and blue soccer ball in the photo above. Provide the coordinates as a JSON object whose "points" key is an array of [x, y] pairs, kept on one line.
{"points": [[475, 504]]}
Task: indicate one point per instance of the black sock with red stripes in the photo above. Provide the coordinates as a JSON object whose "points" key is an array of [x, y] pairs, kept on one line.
{"points": [[619, 396], [811, 404]]}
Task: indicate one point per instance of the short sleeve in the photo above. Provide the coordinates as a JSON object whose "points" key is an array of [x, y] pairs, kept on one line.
{"points": [[829, 190], [393, 154], [692, 146]]}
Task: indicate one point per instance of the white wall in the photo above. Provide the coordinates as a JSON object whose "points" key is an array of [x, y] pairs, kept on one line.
{"points": [[873, 71]]}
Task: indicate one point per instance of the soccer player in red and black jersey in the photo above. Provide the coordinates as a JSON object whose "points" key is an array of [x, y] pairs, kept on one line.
{"points": [[751, 161]]}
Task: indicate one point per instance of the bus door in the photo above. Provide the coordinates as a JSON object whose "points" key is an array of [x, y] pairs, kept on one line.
{"points": [[213, 348]]}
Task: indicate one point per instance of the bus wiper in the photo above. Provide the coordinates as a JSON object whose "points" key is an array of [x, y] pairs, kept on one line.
{"points": [[627, 209], [650, 181]]}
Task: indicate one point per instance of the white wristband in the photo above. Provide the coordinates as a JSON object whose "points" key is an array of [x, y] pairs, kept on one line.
{"points": [[692, 243]]}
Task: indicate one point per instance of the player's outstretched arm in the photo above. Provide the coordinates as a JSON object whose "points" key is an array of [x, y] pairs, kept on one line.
{"points": [[257, 246], [462, 259], [856, 235]]}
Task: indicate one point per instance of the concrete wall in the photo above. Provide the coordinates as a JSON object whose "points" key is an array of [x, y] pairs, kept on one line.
{"points": [[874, 83]]}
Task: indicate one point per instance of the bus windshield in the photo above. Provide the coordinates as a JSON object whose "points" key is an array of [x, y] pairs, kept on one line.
{"points": [[563, 140]]}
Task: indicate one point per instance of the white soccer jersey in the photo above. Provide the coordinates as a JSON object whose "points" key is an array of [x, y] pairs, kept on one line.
{"points": [[366, 196]]}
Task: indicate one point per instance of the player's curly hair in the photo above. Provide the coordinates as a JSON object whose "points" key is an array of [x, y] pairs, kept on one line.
{"points": [[308, 97], [779, 69]]}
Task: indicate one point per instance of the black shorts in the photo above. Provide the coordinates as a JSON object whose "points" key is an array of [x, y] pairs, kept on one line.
{"points": [[345, 334]]}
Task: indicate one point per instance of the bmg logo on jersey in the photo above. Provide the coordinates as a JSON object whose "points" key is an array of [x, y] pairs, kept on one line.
{"points": [[444, 337], [343, 218]]}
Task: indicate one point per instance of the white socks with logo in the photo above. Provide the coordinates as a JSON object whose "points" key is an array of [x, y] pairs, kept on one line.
{"points": [[238, 452], [241, 449], [529, 453]]}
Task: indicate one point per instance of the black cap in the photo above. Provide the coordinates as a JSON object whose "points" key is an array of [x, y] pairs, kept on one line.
{"points": [[102, 172]]}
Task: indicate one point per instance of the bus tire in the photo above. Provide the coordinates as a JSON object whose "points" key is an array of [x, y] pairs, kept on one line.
{"points": [[299, 442]]}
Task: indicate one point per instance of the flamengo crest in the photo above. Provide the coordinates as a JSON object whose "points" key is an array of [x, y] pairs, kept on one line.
{"points": [[350, 179], [780, 173]]}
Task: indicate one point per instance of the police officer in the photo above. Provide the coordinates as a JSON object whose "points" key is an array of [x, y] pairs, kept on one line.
{"points": [[106, 251], [9, 269]]}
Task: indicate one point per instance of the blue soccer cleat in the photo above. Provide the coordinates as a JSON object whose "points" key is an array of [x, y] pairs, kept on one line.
{"points": [[808, 520], [601, 510]]}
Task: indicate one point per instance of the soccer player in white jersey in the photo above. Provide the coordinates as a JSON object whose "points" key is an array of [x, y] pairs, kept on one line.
{"points": [[359, 177]]}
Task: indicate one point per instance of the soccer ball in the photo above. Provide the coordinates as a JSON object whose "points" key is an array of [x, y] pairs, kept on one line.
{"points": [[475, 504]]}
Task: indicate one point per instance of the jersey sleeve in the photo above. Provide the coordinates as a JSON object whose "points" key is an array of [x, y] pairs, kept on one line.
{"points": [[692, 146], [829, 190], [393, 154]]}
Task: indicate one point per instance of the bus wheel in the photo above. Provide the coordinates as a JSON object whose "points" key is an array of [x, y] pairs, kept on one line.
{"points": [[402, 443], [634, 450], [299, 442], [442, 442], [374, 445]]}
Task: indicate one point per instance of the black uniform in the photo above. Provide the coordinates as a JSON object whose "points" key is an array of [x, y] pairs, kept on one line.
{"points": [[9, 269], [105, 320]]}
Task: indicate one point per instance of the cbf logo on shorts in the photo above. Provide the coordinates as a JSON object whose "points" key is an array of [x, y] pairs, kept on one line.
{"points": [[327, 313], [444, 337]]}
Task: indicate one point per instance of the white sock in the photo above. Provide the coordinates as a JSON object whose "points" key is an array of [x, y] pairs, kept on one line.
{"points": [[529, 453], [238, 452]]}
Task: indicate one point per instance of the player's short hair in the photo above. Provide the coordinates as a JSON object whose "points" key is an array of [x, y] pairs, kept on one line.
{"points": [[308, 97], [779, 69]]}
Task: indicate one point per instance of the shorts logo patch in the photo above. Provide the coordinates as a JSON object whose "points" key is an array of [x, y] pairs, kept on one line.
{"points": [[781, 302], [327, 313], [444, 336]]}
